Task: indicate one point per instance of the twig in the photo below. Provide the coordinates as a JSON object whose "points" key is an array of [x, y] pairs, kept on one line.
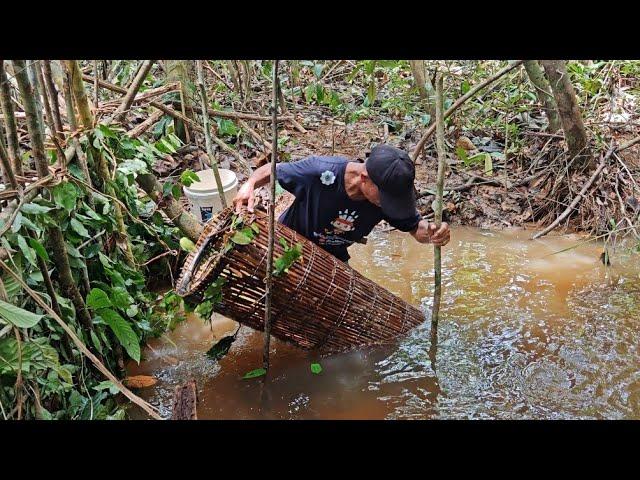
{"points": [[460, 102], [82, 347], [157, 257], [272, 201], [146, 125], [127, 101], [630, 143]]}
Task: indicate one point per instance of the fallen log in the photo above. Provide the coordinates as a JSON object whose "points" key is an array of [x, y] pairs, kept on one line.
{"points": [[185, 400]]}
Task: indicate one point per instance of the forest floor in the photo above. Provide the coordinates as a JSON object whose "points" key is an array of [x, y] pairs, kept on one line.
{"points": [[485, 205]]}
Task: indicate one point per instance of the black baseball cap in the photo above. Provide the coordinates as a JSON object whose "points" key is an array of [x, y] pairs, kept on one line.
{"points": [[393, 173]]}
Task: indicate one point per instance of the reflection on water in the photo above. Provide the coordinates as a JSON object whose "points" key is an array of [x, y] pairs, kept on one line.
{"points": [[522, 335]]}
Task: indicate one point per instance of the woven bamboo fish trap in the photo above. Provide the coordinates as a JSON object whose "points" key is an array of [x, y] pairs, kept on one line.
{"points": [[321, 303]]}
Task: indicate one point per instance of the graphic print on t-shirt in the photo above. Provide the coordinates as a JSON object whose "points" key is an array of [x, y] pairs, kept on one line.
{"points": [[342, 224]]}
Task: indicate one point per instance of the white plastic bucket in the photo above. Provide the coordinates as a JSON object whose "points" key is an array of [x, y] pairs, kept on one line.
{"points": [[204, 196]]}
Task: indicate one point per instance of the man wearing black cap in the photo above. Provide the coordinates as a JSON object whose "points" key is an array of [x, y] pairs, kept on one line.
{"points": [[338, 202]]}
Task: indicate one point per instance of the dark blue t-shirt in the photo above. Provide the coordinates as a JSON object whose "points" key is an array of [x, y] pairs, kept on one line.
{"points": [[322, 210]]}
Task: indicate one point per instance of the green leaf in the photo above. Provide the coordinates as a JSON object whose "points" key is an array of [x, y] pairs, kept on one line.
{"points": [[79, 228], [221, 348], [26, 251], [241, 237], [462, 154], [258, 372], [255, 228], [17, 223], [123, 332], [40, 250], [176, 191], [316, 368], [204, 310], [465, 87], [187, 245], [97, 299], [120, 298], [107, 385], [167, 189], [65, 196], [34, 209], [188, 177], [17, 316], [488, 164]]}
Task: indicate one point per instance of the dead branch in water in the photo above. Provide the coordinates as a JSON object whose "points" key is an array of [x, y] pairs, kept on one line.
{"points": [[578, 197]]}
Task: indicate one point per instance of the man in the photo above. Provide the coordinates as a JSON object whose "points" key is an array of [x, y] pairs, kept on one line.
{"points": [[338, 202]]}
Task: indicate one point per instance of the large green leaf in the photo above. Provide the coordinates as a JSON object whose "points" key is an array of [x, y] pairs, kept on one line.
{"points": [[65, 196], [97, 299], [17, 316], [34, 209], [79, 228], [40, 250], [243, 237], [26, 250], [123, 332], [120, 298], [33, 356]]}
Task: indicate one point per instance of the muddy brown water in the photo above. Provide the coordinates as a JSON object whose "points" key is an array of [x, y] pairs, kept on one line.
{"points": [[523, 335]]}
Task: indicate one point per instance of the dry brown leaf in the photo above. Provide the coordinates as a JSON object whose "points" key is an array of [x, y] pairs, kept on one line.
{"points": [[465, 143], [140, 381]]}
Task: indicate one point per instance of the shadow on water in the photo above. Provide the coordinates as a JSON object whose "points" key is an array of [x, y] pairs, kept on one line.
{"points": [[523, 334]]}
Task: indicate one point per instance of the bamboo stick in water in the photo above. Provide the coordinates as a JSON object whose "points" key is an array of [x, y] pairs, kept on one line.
{"points": [[207, 134], [272, 202], [442, 163]]}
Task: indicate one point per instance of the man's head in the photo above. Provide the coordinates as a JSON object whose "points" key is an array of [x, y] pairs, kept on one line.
{"points": [[388, 182]]}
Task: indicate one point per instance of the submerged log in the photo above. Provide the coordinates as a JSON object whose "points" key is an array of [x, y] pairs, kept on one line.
{"points": [[185, 401]]}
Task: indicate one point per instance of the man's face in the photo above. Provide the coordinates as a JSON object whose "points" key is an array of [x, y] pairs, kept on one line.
{"points": [[369, 189]]}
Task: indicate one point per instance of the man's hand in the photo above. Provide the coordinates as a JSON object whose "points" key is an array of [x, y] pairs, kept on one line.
{"points": [[245, 196], [439, 236], [429, 233]]}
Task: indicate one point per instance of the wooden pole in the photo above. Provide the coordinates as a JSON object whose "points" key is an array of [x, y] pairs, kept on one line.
{"points": [[272, 202], [207, 134], [442, 164]]}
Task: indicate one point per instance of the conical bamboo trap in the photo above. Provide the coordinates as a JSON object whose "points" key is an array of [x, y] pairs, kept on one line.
{"points": [[321, 303]]}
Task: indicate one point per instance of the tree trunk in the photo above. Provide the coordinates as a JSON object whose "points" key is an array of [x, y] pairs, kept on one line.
{"points": [[543, 92], [82, 104], [53, 97], [421, 79], [179, 71], [570, 116], [58, 246], [186, 222], [13, 146], [7, 169]]}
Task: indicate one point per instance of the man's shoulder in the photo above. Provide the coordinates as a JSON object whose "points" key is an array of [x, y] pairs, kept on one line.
{"points": [[326, 159]]}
